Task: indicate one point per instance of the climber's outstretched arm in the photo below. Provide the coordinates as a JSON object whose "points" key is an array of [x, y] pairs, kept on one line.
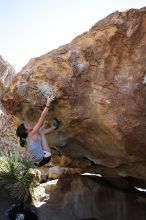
{"points": [[43, 115]]}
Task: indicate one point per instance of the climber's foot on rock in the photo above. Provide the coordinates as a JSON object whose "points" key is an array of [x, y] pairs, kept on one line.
{"points": [[55, 123]]}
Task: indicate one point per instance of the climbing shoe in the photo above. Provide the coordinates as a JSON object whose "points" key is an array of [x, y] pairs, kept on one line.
{"points": [[55, 123]]}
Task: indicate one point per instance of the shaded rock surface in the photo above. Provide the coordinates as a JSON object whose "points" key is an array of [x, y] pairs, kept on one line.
{"points": [[5, 203], [99, 83], [81, 197]]}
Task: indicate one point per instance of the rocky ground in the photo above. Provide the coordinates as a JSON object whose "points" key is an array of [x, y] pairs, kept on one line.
{"points": [[76, 197]]}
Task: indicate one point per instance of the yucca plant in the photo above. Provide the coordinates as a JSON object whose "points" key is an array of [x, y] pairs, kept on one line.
{"points": [[15, 176]]}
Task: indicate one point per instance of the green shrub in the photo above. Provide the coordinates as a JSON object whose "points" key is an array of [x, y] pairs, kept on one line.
{"points": [[15, 176]]}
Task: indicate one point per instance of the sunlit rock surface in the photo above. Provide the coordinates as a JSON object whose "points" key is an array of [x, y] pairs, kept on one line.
{"points": [[99, 83], [7, 72], [8, 139]]}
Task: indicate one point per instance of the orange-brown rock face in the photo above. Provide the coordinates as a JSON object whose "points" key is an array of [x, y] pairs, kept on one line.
{"points": [[99, 81]]}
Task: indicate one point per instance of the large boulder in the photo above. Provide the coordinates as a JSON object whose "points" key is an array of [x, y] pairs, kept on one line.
{"points": [[99, 83]]}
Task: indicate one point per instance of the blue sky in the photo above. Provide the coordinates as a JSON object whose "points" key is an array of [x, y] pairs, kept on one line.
{"points": [[30, 28]]}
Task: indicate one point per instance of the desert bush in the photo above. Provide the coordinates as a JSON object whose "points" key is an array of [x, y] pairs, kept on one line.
{"points": [[15, 176]]}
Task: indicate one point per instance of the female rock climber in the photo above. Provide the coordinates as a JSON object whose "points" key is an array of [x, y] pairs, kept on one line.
{"points": [[35, 138]]}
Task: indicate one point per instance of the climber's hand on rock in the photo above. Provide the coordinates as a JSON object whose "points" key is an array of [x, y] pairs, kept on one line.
{"points": [[50, 99]]}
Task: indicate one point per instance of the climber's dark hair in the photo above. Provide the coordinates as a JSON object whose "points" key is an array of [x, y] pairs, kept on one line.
{"points": [[22, 133]]}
